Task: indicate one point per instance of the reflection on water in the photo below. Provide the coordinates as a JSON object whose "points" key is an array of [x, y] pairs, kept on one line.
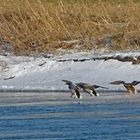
{"points": [[55, 116]]}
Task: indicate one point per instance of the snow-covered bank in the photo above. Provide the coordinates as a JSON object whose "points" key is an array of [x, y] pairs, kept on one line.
{"points": [[47, 73]]}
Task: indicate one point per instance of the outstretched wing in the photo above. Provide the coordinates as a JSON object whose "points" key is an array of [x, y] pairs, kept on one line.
{"points": [[68, 82], [117, 82], [135, 83], [96, 86], [130, 89], [81, 85]]}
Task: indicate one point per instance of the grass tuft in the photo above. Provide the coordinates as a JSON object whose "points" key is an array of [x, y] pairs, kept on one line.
{"points": [[38, 26]]}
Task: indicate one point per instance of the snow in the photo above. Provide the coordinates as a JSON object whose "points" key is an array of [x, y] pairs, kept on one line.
{"points": [[47, 73]]}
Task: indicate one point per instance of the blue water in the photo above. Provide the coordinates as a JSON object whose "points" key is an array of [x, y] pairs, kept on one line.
{"points": [[68, 119]]}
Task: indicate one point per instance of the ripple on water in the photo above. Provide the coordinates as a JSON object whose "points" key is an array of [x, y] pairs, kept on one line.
{"points": [[50, 116]]}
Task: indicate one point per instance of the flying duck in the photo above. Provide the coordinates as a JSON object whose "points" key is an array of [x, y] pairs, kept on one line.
{"points": [[73, 89], [89, 88], [129, 86]]}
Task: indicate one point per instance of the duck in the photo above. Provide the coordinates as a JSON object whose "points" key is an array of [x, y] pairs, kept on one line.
{"points": [[129, 86], [73, 89], [89, 88]]}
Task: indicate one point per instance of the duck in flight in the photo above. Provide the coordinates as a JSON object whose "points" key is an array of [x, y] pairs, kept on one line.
{"points": [[73, 89], [89, 88], [129, 86]]}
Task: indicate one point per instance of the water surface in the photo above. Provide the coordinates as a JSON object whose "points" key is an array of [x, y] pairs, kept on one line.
{"points": [[55, 116]]}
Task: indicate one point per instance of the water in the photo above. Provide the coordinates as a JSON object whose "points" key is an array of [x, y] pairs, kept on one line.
{"points": [[55, 116]]}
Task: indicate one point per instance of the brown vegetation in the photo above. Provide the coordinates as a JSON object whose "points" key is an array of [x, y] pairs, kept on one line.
{"points": [[46, 26]]}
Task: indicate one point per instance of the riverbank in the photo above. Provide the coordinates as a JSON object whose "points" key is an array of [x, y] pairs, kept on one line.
{"points": [[40, 73]]}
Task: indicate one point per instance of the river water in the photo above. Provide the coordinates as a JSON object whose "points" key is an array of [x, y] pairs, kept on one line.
{"points": [[55, 116]]}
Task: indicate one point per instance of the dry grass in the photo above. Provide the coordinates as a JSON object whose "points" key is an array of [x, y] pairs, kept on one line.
{"points": [[45, 26]]}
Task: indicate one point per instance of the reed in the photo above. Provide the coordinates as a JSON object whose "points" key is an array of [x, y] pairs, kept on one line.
{"points": [[42, 26]]}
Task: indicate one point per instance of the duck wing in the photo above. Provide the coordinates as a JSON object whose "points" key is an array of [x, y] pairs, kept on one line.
{"points": [[81, 85], [135, 83], [117, 82], [68, 82], [96, 86]]}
